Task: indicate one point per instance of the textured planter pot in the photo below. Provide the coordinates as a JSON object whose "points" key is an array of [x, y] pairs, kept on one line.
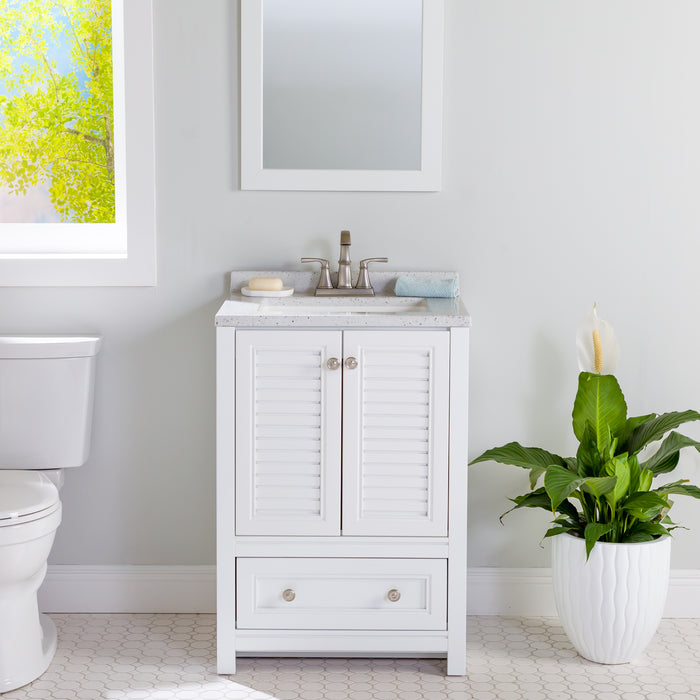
{"points": [[611, 605]]}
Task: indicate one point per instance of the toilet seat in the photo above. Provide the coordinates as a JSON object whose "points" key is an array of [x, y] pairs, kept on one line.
{"points": [[26, 496]]}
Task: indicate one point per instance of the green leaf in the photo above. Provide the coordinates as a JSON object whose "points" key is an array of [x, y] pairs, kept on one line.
{"points": [[622, 477], [645, 506], [657, 427], [557, 531], [612, 448], [540, 499], [566, 521], [645, 478], [665, 459], [534, 476], [533, 458], [571, 464], [559, 483], [635, 474], [668, 464], [568, 509], [593, 533], [515, 454], [598, 486], [534, 499], [679, 488], [645, 532], [600, 403], [588, 459]]}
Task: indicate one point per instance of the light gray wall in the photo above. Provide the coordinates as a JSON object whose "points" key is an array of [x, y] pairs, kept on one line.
{"points": [[571, 175]]}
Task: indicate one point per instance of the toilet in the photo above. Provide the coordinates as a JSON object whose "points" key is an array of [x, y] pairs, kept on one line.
{"points": [[46, 396]]}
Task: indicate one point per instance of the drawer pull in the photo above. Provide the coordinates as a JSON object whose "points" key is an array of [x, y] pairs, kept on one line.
{"points": [[351, 363], [289, 595], [393, 595], [333, 363]]}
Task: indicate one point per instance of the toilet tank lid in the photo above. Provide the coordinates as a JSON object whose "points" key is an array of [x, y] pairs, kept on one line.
{"points": [[24, 492], [45, 346]]}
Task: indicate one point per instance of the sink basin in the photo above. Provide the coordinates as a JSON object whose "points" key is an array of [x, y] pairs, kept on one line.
{"points": [[327, 307]]}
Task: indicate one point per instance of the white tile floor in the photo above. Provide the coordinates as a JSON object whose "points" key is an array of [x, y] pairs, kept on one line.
{"points": [[163, 657]]}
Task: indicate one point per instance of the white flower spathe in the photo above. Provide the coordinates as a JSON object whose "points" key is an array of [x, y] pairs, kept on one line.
{"points": [[594, 331]]}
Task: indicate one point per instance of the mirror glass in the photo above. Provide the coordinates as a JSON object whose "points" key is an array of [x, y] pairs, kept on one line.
{"points": [[345, 67], [341, 94]]}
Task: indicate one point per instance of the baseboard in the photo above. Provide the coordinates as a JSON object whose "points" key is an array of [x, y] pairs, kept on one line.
{"points": [[129, 589], [529, 593], [517, 592], [192, 589]]}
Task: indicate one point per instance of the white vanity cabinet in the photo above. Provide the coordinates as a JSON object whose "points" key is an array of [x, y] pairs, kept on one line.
{"points": [[342, 422], [341, 491]]}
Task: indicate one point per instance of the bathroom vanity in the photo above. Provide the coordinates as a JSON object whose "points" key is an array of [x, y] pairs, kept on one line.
{"points": [[341, 474]]}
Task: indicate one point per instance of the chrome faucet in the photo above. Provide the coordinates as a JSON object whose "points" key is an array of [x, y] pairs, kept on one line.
{"points": [[344, 283], [344, 278]]}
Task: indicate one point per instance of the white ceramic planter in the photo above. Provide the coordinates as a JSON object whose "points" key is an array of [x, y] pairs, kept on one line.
{"points": [[610, 605]]}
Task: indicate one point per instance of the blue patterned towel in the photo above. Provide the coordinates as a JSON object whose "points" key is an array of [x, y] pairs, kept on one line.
{"points": [[422, 286]]}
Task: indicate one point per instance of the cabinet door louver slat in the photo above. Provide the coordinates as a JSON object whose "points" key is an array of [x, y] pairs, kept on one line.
{"points": [[288, 407], [395, 408]]}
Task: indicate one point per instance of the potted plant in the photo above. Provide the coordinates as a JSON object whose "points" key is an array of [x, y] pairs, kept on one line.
{"points": [[611, 546]]}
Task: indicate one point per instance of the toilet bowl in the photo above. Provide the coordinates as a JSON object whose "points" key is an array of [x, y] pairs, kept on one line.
{"points": [[46, 395], [30, 513]]}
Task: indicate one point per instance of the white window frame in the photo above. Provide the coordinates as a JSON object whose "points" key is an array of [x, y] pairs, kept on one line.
{"points": [[74, 264]]}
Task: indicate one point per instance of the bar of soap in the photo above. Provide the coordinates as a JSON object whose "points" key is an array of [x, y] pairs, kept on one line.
{"points": [[265, 284]]}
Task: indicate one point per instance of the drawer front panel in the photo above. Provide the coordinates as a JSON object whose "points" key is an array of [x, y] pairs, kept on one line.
{"points": [[343, 594]]}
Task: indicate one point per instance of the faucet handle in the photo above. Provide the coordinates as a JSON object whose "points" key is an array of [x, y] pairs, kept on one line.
{"points": [[363, 278], [324, 281]]}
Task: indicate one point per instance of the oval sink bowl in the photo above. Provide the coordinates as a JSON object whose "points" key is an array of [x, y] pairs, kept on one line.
{"points": [[325, 307]]}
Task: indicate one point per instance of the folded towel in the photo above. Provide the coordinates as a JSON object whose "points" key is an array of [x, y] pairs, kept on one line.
{"points": [[426, 286]]}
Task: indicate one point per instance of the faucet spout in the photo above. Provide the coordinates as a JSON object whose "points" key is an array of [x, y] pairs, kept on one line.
{"points": [[344, 276]]}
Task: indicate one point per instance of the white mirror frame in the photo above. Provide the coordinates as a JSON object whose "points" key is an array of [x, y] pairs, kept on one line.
{"points": [[255, 177]]}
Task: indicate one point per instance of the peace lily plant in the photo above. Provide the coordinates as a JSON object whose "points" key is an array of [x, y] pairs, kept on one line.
{"points": [[604, 493]]}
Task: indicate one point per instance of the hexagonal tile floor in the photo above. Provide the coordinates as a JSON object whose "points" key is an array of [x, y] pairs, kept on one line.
{"points": [[134, 657], [159, 657]]}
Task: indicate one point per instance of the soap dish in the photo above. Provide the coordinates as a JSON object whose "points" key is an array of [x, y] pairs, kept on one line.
{"points": [[284, 292]]}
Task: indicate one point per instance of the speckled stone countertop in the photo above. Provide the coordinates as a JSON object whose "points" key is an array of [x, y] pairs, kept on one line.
{"points": [[305, 310]]}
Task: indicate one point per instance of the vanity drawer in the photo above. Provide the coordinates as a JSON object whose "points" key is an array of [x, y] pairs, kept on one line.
{"points": [[343, 594]]}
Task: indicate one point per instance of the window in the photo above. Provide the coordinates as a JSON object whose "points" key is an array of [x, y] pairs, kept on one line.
{"points": [[77, 196]]}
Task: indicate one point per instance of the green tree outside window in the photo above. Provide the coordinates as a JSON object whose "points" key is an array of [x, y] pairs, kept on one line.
{"points": [[56, 104]]}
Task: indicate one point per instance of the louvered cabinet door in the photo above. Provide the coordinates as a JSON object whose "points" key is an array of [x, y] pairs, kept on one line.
{"points": [[395, 432], [288, 404]]}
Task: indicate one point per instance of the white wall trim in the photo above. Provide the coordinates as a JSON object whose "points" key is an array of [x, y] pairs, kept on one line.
{"points": [[132, 589], [192, 589], [518, 592], [528, 593]]}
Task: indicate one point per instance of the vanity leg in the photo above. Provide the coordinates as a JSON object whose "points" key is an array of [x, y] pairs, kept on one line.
{"points": [[225, 508], [457, 568]]}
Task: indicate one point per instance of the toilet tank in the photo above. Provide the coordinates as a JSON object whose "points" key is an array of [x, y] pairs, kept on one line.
{"points": [[46, 396]]}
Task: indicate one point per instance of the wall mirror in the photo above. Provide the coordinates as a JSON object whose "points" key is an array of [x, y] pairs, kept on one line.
{"points": [[341, 94]]}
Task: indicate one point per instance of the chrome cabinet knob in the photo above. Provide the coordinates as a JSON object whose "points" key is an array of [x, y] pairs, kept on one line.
{"points": [[393, 595], [289, 595], [351, 363], [333, 363]]}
